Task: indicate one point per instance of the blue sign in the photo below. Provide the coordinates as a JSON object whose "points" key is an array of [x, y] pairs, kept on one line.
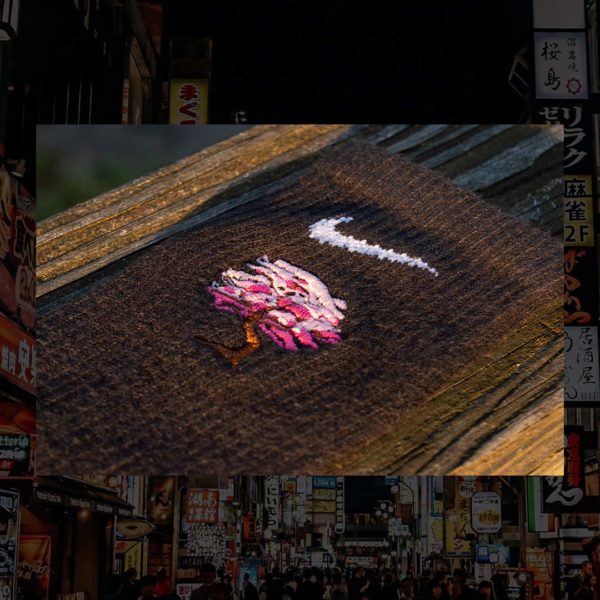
{"points": [[493, 553], [324, 482]]}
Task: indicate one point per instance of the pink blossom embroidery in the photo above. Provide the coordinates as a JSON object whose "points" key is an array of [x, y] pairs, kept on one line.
{"points": [[288, 304]]}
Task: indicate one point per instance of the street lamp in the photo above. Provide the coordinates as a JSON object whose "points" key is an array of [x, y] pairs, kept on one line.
{"points": [[9, 18]]}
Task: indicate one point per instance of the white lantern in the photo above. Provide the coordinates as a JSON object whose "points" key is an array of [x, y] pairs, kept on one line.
{"points": [[9, 17]]}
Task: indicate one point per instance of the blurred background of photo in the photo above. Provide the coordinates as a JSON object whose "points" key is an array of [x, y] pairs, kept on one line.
{"points": [[75, 165]]}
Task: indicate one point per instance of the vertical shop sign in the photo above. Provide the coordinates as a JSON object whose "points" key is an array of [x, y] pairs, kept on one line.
{"points": [[560, 65], [340, 515], [580, 299], [188, 104], [581, 365], [560, 47], [537, 520], [272, 502], [568, 494], [578, 210], [9, 543]]}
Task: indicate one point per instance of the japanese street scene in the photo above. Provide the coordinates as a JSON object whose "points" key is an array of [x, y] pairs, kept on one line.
{"points": [[302, 537]]}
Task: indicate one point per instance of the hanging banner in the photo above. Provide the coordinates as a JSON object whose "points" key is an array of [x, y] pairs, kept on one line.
{"points": [[9, 543], [581, 365], [202, 506], [160, 500], [34, 568], [188, 102]]}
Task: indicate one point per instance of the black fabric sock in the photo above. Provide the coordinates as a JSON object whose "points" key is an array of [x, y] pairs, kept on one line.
{"points": [[131, 375]]}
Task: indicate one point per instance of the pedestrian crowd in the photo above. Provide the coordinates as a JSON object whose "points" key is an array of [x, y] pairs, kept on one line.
{"points": [[316, 584]]}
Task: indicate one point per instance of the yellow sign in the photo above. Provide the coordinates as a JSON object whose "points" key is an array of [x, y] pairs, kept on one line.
{"points": [[455, 528], [577, 186], [578, 222], [323, 506], [323, 494], [188, 102], [578, 210]]}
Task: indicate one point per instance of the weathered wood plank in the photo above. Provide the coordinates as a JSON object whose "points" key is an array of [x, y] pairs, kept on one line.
{"points": [[512, 161], [144, 214], [471, 142], [442, 139], [421, 135], [523, 377]]}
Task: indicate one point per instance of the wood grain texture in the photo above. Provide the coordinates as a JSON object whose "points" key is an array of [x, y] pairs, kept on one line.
{"points": [[504, 416]]}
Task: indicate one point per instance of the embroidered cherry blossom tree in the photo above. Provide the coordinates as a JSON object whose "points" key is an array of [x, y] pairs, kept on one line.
{"points": [[288, 304]]}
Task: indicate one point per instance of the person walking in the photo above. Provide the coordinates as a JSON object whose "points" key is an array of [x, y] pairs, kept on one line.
{"points": [[248, 591]]}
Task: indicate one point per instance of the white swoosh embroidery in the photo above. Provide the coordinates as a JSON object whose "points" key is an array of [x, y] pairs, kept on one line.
{"points": [[324, 231]]}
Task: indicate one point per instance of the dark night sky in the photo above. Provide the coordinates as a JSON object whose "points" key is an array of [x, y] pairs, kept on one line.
{"points": [[419, 61], [362, 493]]}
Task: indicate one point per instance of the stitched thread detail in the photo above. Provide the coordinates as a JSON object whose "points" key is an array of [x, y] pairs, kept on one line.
{"points": [[325, 232], [289, 305]]}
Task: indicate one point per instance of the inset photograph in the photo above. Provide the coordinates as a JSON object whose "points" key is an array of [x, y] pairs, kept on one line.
{"points": [[333, 298]]}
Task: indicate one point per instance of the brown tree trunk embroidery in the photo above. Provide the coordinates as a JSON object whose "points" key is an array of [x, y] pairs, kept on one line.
{"points": [[236, 355]]}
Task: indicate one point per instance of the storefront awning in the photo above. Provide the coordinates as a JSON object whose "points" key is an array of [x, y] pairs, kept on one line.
{"points": [[79, 495]]}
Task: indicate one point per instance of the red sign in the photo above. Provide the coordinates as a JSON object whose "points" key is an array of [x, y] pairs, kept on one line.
{"points": [[188, 102], [202, 506], [573, 458], [17, 355], [249, 527]]}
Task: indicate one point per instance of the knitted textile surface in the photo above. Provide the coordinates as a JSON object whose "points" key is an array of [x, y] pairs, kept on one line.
{"points": [[135, 373]]}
